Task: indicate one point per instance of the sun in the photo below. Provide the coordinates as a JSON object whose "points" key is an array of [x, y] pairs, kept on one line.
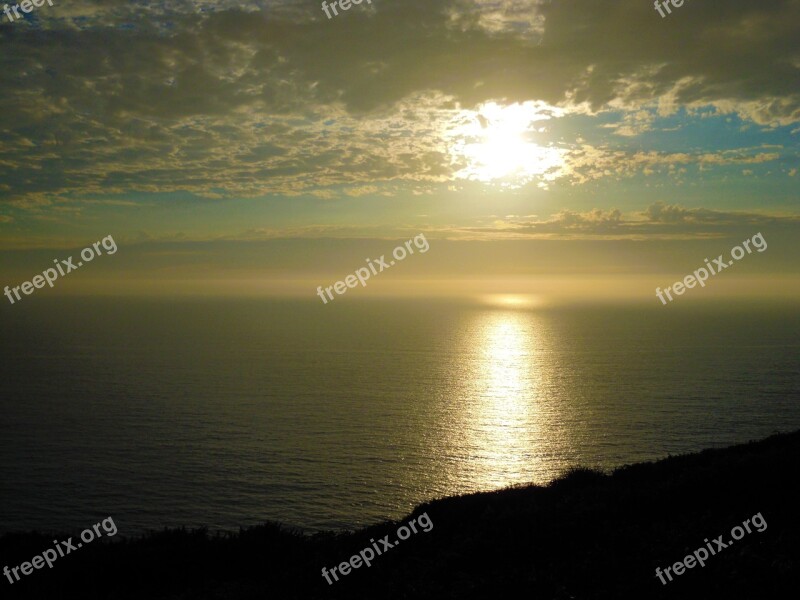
{"points": [[501, 144]]}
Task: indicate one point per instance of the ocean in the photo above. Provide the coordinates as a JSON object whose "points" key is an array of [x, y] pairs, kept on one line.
{"points": [[224, 413]]}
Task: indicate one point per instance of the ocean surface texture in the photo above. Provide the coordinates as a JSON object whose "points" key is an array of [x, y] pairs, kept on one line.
{"points": [[225, 413]]}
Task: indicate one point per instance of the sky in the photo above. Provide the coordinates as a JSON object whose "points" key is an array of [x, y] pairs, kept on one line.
{"points": [[262, 147]]}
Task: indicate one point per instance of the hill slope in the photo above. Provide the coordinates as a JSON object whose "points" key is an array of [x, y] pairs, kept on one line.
{"points": [[585, 536]]}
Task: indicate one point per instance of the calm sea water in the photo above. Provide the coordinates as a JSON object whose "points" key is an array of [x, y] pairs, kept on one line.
{"points": [[227, 413]]}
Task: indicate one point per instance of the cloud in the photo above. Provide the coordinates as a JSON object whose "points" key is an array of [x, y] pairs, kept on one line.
{"points": [[657, 221], [587, 162], [231, 98]]}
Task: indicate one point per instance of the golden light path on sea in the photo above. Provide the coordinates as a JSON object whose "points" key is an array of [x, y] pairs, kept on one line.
{"points": [[506, 421]]}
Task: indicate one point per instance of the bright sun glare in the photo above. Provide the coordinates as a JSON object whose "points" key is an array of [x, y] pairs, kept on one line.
{"points": [[497, 144], [511, 301]]}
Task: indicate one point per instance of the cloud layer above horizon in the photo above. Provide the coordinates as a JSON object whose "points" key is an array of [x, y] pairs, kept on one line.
{"points": [[111, 108]]}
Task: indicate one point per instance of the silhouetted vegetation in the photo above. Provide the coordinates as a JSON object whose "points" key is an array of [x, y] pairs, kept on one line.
{"points": [[585, 536]]}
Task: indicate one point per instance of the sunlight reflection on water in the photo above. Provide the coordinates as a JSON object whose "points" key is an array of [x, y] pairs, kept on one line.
{"points": [[504, 427]]}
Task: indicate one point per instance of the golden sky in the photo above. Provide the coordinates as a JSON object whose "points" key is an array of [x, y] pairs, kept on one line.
{"points": [[263, 142]]}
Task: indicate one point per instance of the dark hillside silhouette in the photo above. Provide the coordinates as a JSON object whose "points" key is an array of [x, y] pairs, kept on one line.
{"points": [[585, 536]]}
